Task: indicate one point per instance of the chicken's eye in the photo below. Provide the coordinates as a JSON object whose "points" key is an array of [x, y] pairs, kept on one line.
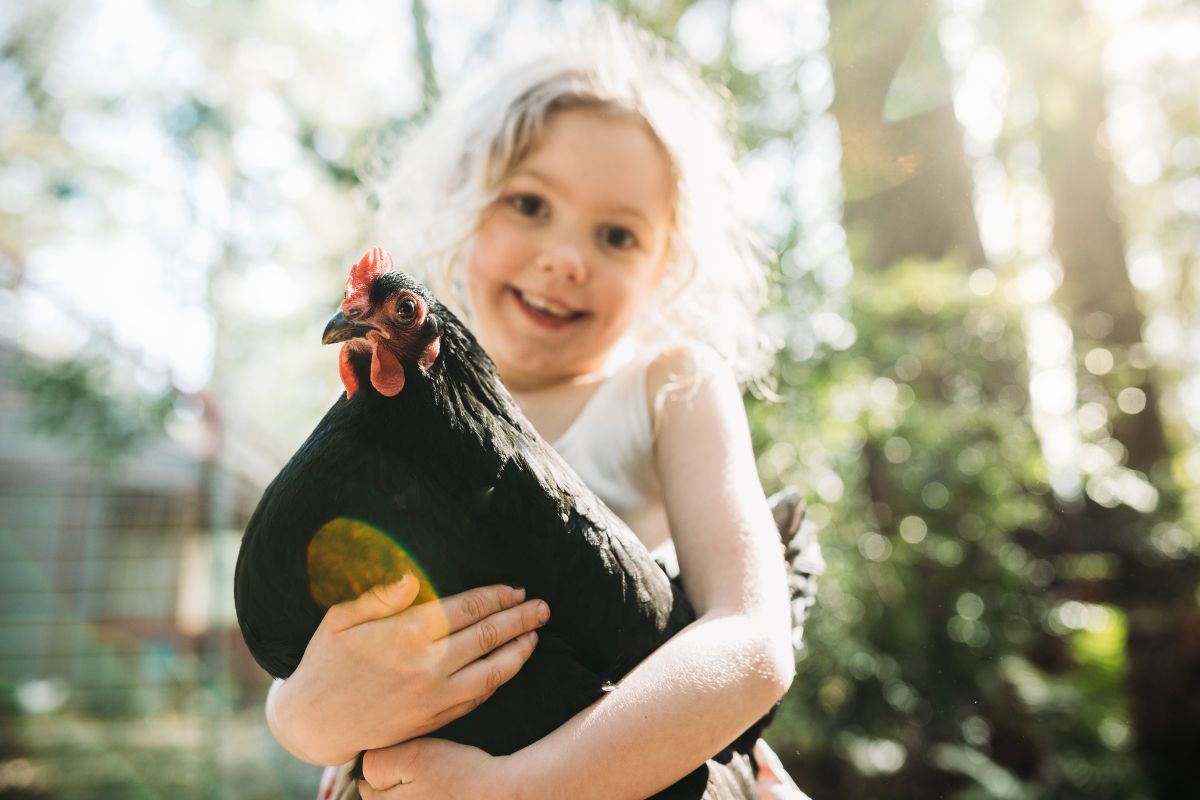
{"points": [[406, 310]]}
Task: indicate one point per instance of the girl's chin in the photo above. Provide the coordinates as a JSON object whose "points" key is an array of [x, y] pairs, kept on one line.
{"points": [[526, 368], [531, 377]]}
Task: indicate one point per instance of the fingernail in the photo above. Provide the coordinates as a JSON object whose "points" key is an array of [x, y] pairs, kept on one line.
{"points": [[532, 637], [543, 611], [519, 593]]}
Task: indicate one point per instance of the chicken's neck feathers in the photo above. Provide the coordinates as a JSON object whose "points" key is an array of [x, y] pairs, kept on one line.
{"points": [[456, 409]]}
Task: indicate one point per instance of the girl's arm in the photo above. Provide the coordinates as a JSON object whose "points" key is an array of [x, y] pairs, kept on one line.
{"points": [[701, 689], [379, 670]]}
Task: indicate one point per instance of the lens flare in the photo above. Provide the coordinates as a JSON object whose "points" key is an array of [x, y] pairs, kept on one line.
{"points": [[347, 557]]}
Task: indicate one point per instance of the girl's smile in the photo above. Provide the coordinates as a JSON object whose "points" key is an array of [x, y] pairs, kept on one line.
{"points": [[565, 259], [545, 311]]}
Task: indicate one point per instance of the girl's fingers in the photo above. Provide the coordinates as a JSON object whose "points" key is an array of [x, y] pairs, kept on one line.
{"points": [[476, 682], [437, 619], [453, 613], [376, 603], [481, 638], [390, 767]]}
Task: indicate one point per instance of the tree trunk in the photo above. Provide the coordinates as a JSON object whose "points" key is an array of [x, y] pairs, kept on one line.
{"points": [[908, 184], [1098, 300]]}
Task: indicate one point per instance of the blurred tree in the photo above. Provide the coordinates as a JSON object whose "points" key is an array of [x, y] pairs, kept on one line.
{"points": [[939, 665], [81, 400], [1097, 298], [908, 185], [951, 669]]}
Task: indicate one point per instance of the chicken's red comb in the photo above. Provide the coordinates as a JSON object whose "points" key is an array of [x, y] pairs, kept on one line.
{"points": [[376, 262]]}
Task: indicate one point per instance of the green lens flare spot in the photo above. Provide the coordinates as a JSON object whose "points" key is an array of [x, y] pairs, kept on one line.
{"points": [[347, 557]]}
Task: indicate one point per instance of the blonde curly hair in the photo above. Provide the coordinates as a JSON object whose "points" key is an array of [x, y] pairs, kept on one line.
{"points": [[452, 168]]}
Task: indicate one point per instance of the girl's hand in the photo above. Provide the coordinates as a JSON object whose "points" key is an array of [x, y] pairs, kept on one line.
{"points": [[433, 768], [378, 671]]}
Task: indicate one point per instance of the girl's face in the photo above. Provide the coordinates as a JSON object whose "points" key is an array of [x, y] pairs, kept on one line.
{"points": [[564, 260]]}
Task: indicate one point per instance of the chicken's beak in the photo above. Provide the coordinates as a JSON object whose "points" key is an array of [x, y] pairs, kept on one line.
{"points": [[340, 329]]}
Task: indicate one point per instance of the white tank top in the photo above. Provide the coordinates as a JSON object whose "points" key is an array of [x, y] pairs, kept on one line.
{"points": [[610, 444]]}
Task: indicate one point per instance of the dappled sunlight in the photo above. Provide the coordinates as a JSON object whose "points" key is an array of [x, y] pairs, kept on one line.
{"points": [[191, 196], [1147, 59], [1052, 395], [703, 30]]}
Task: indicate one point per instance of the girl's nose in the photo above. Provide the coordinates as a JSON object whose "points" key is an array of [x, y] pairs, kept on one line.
{"points": [[565, 260]]}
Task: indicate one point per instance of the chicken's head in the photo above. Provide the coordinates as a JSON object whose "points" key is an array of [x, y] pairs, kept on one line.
{"points": [[388, 315]]}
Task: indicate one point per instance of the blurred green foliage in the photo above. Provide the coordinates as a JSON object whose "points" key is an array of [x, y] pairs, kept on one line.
{"points": [[936, 662], [83, 401]]}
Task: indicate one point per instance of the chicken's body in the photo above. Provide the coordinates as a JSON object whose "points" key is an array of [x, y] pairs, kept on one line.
{"points": [[456, 484]]}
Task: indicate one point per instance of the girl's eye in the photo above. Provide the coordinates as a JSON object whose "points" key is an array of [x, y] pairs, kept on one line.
{"points": [[406, 310], [528, 205], [618, 238]]}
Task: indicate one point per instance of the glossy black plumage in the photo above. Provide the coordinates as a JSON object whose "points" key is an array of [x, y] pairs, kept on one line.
{"points": [[450, 470]]}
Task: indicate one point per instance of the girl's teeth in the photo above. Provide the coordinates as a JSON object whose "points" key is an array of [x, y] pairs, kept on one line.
{"points": [[546, 307]]}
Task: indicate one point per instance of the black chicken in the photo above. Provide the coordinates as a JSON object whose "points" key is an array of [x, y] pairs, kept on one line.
{"points": [[426, 464]]}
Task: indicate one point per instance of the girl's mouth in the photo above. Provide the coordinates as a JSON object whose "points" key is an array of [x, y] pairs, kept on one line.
{"points": [[544, 310]]}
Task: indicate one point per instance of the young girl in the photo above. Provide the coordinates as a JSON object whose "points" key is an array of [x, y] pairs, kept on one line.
{"points": [[580, 206]]}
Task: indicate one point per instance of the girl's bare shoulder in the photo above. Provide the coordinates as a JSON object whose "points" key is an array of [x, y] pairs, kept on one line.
{"points": [[684, 376]]}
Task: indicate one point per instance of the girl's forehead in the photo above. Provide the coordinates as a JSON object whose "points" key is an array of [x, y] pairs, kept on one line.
{"points": [[583, 125], [602, 154]]}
